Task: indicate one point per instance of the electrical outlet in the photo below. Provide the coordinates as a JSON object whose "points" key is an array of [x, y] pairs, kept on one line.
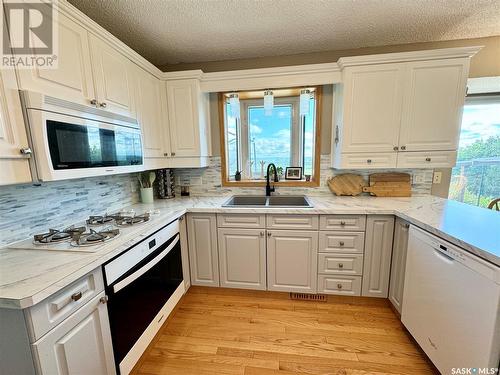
{"points": [[195, 181], [436, 178]]}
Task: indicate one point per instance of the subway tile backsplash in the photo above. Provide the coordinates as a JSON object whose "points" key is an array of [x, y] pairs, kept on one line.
{"points": [[27, 209]]}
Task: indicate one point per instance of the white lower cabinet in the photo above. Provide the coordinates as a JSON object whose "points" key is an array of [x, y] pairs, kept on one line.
{"points": [[292, 260], [342, 285], [377, 258], [242, 258], [398, 264], [203, 253], [79, 345]]}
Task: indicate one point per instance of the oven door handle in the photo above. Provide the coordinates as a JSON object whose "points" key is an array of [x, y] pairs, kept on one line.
{"points": [[141, 271]]}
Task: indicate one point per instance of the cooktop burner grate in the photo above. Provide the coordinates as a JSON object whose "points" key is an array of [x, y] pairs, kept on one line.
{"points": [[93, 237], [54, 235]]}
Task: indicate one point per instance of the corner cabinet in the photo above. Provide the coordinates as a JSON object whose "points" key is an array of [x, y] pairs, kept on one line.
{"points": [[203, 253], [398, 264], [377, 256], [292, 260], [188, 114], [14, 165], [386, 112], [242, 258]]}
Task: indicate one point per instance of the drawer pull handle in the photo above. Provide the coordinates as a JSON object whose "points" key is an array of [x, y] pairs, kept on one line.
{"points": [[339, 286], [403, 148], [428, 159], [76, 296], [342, 223], [341, 243], [341, 265], [369, 161]]}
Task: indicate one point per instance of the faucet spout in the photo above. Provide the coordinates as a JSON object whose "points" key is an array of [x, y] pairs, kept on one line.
{"points": [[270, 189]]}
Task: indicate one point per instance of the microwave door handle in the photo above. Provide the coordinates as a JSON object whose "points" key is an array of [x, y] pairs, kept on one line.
{"points": [[141, 271]]}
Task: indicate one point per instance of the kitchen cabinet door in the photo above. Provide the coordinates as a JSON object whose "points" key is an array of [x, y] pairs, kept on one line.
{"points": [[203, 254], [113, 78], [81, 344], [72, 79], [292, 258], [188, 118], [432, 111], [372, 100], [14, 165], [398, 263], [242, 258], [377, 258], [150, 116]]}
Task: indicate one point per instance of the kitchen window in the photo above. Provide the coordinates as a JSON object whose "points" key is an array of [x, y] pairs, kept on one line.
{"points": [[255, 136], [476, 177]]}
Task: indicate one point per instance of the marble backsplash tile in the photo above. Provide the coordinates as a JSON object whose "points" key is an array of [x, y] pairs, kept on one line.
{"points": [[27, 209], [210, 179]]}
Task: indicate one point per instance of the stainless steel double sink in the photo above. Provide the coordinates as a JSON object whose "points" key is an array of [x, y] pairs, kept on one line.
{"points": [[267, 202]]}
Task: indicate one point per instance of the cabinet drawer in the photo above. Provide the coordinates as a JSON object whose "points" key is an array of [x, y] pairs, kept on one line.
{"points": [[434, 159], [50, 312], [293, 222], [342, 222], [343, 285], [338, 242], [366, 161], [340, 264], [241, 221]]}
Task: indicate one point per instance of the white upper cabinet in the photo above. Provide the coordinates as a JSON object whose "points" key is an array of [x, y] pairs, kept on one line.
{"points": [[149, 113], [397, 106], [72, 79], [188, 118], [113, 78], [14, 165], [372, 108], [434, 99]]}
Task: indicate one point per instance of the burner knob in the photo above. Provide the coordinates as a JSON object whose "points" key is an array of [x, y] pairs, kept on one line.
{"points": [[104, 299]]}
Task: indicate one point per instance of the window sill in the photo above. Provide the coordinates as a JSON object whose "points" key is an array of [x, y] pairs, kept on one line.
{"points": [[257, 183]]}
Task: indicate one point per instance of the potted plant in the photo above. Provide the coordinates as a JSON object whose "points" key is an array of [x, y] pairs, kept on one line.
{"points": [[279, 171], [237, 176]]}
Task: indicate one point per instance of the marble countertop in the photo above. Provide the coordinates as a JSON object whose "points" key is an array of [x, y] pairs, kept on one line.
{"points": [[29, 276]]}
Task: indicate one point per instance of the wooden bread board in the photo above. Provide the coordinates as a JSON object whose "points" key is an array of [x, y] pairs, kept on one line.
{"points": [[389, 185], [347, 184]]}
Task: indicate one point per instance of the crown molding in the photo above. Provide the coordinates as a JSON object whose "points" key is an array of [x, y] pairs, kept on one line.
{"points": [[286, 76], [64, 7], [432, 54], [183, 74]]}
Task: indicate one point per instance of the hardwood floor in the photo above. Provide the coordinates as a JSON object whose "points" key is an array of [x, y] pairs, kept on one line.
{"points": [[229, 331]]}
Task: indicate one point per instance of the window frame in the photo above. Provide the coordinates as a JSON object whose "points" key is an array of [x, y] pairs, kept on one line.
{"points": [[296, 139]]}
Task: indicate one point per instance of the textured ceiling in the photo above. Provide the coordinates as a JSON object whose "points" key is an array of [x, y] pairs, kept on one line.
{"points": [[183, 31]]}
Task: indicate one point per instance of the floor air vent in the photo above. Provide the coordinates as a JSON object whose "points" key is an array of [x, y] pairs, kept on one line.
{"points": [[308, 297]]}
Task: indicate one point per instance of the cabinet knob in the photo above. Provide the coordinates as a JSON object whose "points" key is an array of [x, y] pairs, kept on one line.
{"points": [[342, 223], [269, 234], [103, 105], [26, 151], [428, 159], [76, 296], [341, 265], [165, 154], [403, 148], [341, 243], [172, 153], [369, 161], [262, 234], [395, 148], [339, 286], [103, 300], [93, 102], [407, 226]]}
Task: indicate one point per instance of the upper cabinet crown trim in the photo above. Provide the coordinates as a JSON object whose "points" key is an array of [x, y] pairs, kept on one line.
{"points": [[432, 54]]}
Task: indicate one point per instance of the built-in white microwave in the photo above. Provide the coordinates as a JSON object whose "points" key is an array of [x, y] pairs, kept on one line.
{"points": [[70, 140]]}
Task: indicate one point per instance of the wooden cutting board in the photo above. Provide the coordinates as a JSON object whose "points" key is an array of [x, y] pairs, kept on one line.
{"points": [[347, 184], [389, 185]]}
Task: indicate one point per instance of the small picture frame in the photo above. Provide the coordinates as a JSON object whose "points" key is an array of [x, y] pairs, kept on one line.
{"points": [[293, 173]]}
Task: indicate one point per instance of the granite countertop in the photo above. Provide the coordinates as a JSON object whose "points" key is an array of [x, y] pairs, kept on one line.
{"points": [[29, 276]]}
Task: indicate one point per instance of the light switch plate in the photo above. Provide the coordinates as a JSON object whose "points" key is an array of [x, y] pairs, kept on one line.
{"points": [[418, 178], [436, 178]]}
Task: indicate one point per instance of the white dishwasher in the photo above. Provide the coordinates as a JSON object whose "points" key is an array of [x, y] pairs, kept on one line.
{"points": [[451, 304]]}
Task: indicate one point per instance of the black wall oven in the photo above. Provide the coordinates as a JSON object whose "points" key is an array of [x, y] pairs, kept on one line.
{"points": [[139, 284]]}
